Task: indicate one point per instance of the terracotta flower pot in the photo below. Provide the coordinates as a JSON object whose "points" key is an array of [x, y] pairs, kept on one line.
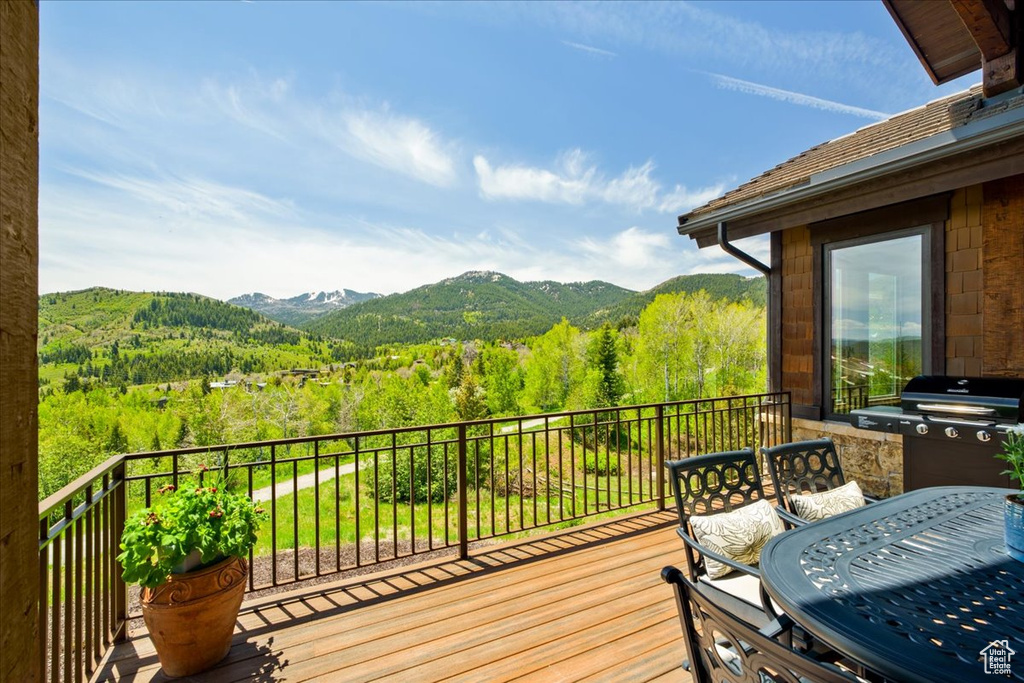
{"points": [[191, 617]]}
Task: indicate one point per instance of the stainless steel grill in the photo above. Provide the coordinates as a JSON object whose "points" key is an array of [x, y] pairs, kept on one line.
{"points": [[953, 425]]}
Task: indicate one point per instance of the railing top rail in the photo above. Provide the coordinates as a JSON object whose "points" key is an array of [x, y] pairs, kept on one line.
{"points": [[57, 499]]}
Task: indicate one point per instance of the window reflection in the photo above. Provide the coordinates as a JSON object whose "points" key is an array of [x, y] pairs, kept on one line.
{"points": [[876, 321]]}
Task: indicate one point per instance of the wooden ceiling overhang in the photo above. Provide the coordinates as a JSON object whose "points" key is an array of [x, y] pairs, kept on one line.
{"points": [[955, 37]]}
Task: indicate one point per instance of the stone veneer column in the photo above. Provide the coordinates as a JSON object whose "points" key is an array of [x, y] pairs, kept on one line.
{"points": [[19, 266], [873, 459]]}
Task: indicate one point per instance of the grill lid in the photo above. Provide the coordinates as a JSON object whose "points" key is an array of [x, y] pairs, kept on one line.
{"points": [[995, 398]]}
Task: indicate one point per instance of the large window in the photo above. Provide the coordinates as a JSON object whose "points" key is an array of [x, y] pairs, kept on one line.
{"points": [[877, 318]]}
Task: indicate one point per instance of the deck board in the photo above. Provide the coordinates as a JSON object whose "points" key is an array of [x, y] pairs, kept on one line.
{"points": [[582, 604]]}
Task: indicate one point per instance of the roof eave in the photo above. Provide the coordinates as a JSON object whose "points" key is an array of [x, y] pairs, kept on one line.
{"points": [[977, 134]]}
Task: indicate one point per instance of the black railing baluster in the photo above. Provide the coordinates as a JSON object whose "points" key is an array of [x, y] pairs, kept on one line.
{"points": [[316, 505], [447, 519], [337, 507], [295, 518], [273, 514], [44, 596], [430, 496], [249, 490], [55, 621], [394, 495], [463, 502]]}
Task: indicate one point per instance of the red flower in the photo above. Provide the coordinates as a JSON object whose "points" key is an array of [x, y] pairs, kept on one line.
{"points": [[216, 512], [165, 489]]}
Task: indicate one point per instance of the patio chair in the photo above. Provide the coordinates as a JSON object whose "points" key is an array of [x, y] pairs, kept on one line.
{"points": [[721, 646], [806, 468], [706, 487]]}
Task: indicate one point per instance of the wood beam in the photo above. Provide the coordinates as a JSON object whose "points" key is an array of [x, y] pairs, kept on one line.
{"points": [[19, 376], [995, 27], [989, 22]]}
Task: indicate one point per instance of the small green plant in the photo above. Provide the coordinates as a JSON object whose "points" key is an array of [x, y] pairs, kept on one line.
{"points": [[201, 516], [1013, 454]]}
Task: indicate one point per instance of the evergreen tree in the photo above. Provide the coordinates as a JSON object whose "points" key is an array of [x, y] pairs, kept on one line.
{"points": [[470, 403], [605, 359], [184, 438], [117, 442]]}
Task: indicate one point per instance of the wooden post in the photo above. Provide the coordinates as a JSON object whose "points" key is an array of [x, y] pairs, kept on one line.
{"points": [[19, 291]]}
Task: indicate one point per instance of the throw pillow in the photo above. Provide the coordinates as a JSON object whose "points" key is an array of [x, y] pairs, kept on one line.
{"points": [[739, 535], [817, 506]]}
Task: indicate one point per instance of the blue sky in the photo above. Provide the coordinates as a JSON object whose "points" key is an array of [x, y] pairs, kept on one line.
{"points": [[231, 147]]}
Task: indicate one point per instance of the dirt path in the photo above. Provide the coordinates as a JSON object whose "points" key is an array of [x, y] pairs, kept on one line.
{"points": [[304, 481]]}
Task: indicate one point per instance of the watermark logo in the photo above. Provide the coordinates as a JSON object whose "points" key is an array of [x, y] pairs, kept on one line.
{"points": [[996, 657]]}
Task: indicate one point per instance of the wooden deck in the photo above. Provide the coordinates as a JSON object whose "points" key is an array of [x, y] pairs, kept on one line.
{"points": [[583, 604]]}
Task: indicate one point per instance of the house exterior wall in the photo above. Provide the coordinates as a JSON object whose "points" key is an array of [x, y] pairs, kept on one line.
{"points": [[1002, 260], [19, 192], [964, 345], [984, 319], [798, 315]]}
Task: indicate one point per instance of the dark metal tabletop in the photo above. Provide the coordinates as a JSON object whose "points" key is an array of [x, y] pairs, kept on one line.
{"points": [[914, 587]]}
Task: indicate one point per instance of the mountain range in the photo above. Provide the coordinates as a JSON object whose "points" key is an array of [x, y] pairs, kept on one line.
{"points": [[489, 305], [302, 308], [176, 336]]}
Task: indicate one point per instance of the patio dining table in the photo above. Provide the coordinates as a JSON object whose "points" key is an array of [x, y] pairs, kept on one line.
{"points": [[917, 588]]}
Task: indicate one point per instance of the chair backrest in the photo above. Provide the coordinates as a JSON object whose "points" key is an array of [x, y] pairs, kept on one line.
{"points": [[722, 647], [705, 484], [803, 467]]}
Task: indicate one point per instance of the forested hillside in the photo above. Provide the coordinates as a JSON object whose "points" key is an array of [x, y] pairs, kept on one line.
{"points": [[117, 338], [474, 305], [719, 286]]}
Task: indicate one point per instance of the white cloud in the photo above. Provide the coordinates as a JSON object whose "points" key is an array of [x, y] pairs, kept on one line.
{"points": [[631, 249], [729, 83], [570, 184], [574, 180], [376, 135], [398, 143], [189, 197], [589, 49]]}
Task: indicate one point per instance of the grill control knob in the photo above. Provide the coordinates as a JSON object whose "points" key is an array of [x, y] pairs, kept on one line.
{"points": [[952, 433], [921, 428], [984, 436]]}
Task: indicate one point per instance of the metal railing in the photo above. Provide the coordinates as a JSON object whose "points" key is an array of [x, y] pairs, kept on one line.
{"points": [[345, 501]]}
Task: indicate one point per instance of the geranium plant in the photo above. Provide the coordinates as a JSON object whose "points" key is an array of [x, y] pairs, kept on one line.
{"points": [[1013, 454], [202, 516]]}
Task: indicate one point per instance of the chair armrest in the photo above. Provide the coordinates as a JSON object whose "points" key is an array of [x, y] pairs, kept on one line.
{"points": [[706, 552], [788, 518], [870, 499], [781, 624]]}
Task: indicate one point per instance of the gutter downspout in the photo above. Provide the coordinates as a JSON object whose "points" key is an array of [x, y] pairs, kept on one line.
{"points": [[729, 248]]}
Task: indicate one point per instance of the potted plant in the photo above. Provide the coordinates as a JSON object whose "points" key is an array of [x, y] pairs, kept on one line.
{"points": [[1013, 454], [188, 553]]}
